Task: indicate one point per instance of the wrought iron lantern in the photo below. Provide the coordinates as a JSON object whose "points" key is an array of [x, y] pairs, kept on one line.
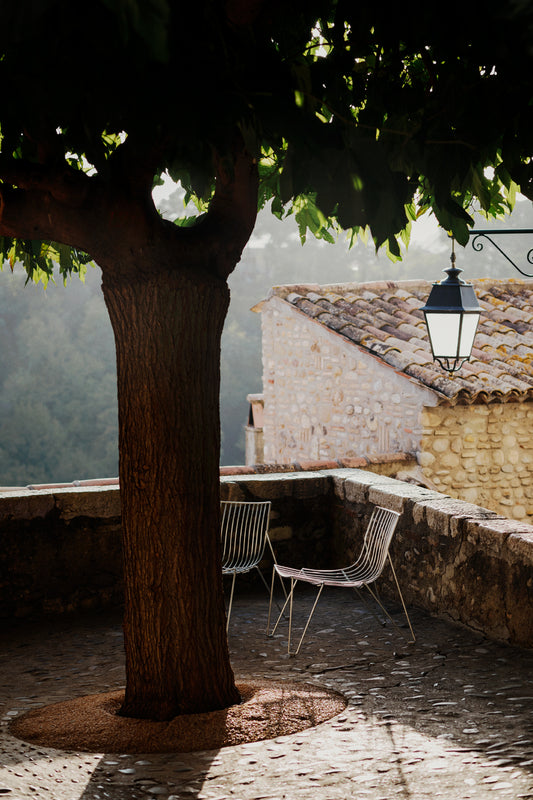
{"points": [[452, 314]]}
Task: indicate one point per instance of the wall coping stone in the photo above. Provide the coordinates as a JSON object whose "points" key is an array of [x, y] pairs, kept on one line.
{"points": [[359, 463], [306, 484], [71, 502]]}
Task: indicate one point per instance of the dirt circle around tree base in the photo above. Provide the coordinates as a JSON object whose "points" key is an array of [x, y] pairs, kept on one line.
{"points": [[268, 709]]}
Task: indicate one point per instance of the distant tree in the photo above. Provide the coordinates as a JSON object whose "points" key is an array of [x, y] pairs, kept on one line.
{"points": [[343, 114], [58, 417]]}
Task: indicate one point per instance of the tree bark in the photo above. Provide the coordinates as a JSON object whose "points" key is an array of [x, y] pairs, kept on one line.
{"points": [[168, 325], [167, 296]]}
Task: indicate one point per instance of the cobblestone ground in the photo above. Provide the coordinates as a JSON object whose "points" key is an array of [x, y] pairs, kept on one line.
{"points": [[448, 717]]}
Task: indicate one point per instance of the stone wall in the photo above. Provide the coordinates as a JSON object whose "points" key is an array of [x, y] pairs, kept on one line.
{"points": [[325, 398], [454, 559], [60, 549], [482, 454]]}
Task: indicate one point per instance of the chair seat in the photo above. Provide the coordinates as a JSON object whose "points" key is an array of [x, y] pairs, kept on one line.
{"points": [[316, 576], [236, 570], [326, 577], [361, 574]]}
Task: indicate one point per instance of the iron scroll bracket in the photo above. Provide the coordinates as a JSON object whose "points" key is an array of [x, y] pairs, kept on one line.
{"points": [[478, 237]]}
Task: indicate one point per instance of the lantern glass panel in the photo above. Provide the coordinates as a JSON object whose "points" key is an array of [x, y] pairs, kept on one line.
{"points": [[468, 332], [452, 335], [443, 333]]}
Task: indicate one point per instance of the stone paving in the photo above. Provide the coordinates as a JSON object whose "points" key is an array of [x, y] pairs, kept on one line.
{"points": [[448, 717]]}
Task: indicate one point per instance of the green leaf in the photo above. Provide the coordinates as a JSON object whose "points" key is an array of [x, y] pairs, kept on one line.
{"points": [[277, 208], [393, 249], [186, 222], [411, 211]]}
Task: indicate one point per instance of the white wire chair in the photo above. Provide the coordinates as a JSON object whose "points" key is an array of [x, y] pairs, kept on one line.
{"points": [[244, 531], [362, 573]]}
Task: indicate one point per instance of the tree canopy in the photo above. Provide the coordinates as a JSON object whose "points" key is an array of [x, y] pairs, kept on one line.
{"points": [[359, 117]]}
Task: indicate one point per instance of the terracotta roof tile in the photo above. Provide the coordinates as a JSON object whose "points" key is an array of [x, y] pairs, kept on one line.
{"points": [[384, 318]]}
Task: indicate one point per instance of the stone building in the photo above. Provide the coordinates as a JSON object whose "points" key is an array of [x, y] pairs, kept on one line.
{"points": [[347, 372]]}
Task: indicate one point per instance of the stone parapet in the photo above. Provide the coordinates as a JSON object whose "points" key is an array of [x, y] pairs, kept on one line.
{"points": [[384, 464], [453, 558], [60, 548]]}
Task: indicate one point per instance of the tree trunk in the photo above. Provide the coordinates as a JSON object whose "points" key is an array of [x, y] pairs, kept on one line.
{"points": [[168, 325]]}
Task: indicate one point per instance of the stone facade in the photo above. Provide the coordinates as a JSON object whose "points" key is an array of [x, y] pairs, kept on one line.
{"points": [[482, 454], [324, 398]]}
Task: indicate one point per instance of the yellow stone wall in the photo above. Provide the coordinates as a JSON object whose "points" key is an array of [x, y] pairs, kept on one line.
{"points": [[481, 454]]}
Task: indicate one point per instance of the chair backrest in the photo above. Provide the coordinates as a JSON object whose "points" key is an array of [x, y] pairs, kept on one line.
{"points": [[376, 543], [244, 526]]}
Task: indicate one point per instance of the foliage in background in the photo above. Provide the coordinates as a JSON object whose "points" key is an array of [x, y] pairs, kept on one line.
{"points": [[58, 417]]}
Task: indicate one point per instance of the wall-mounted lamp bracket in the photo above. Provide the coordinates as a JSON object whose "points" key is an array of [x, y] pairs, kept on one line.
{"points": [[479, 235]]}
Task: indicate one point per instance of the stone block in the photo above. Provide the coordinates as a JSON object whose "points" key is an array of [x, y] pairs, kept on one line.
{"points": [[425, 459], [431, 419], [284, 484], [280, 534], [231, 490], [99, 502], [520, 545], [388, 499], [489, 538], [26, 504], [441, 512]]}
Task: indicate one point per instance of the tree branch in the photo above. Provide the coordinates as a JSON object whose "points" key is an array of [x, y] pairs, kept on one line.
{"points": [[233, 209], [66, 185], [135, 164], [26, 214]]}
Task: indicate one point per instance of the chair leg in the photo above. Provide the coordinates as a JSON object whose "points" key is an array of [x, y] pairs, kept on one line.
{"points": [[307, 623], [270, 601], [230, 601], [376, 599], [401, 598], [289, 599], [267, 587], [271, 592], [291, 595], [375, 596], [275, 562]]}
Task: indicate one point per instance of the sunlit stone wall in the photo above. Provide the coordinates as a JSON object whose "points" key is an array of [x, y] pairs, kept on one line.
{"points": [[324, 398], [482, 454]]}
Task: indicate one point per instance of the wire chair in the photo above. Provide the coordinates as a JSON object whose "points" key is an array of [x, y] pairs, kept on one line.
{"points": [[244, 531], [362, 573]]}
